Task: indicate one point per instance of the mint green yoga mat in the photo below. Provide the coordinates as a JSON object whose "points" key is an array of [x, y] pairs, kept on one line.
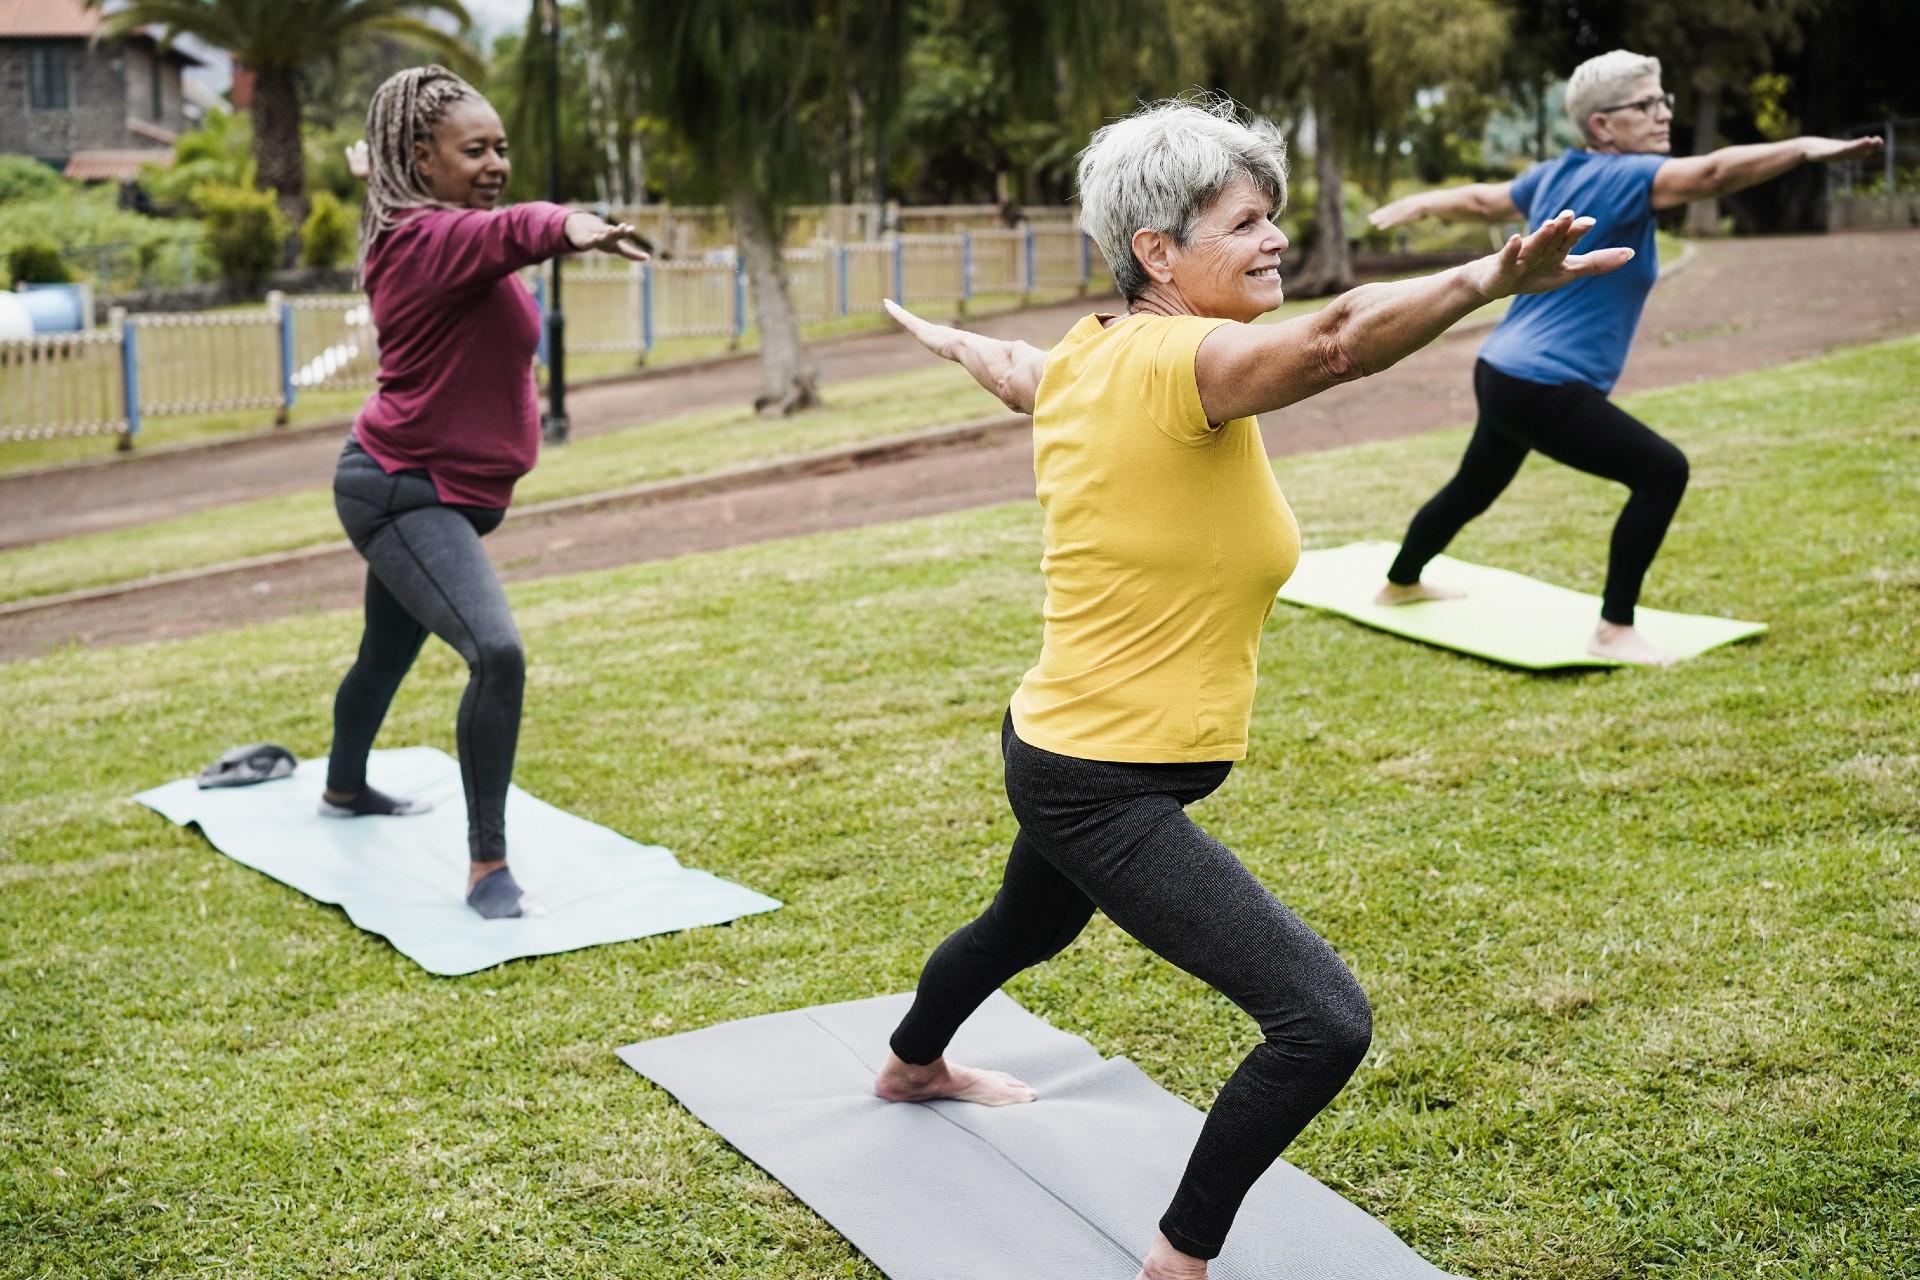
{"points": [[405, 878], [1504, 617]]}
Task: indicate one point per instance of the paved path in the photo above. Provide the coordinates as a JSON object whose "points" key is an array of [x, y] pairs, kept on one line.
{"points": [[1742, 305]]}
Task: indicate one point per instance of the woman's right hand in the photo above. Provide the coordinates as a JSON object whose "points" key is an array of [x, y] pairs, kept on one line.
{"points": [[1544, 261], [1011, 370], [359, 164]]}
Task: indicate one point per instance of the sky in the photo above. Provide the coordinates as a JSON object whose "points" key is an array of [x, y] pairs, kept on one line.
{"points": [[493, 17]]}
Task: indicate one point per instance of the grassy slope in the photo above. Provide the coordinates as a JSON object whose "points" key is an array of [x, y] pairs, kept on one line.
{"points": [[686, 445], [1641, 945]]}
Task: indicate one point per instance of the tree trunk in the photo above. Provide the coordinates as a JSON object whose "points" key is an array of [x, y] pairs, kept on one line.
{"points": [[279, 163], [1329, 264], [788, 378], [1703, 216]]}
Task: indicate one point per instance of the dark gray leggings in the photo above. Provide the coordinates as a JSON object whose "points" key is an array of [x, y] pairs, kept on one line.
{"points": [[1116, 837], [1569, 422], [426, 572]]}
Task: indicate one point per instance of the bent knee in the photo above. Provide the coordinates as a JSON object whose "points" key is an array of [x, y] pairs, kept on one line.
{"points": [[1667, 474], [499, 657], [1335, 1034]]}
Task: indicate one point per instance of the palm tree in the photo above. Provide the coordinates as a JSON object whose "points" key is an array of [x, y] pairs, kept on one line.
{"points": [[275, 38]]}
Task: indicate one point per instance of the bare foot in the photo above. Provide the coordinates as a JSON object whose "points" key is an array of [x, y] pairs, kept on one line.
{"points": [[907, 1082], [1624, 644], [1164, 1262], [1394, 593]]}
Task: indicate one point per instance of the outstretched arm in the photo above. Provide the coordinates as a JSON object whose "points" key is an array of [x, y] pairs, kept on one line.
{"points": [[1731, 169], [1245, 369], [1486, 201], [1011, 370]]}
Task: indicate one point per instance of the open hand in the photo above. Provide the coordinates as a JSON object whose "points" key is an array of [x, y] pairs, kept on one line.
{"points": [[1011, 370], [591, 231], [1544, 261], [1828, 150], [1398, 213], [359, 163]]}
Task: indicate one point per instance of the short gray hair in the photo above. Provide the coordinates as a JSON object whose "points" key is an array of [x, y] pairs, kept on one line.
{"points": [[1163, 166], [1602, 82]]}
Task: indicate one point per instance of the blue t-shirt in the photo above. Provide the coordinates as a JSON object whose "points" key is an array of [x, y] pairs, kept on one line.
{"points": [[1581, 333]]}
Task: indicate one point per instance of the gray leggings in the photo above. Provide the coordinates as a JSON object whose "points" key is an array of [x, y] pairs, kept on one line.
{"points": [[426, 572], [1095, 834]]}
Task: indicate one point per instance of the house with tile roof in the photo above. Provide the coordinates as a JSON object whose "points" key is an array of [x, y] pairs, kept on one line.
{"points": [[92, 108]]}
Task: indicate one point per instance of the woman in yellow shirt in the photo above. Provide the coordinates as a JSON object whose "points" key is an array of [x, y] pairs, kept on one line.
{"points": [[1166, 541]]}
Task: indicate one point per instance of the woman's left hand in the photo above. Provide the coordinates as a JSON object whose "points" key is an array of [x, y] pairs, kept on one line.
{"points": [[1545, 261], [590, 231]]}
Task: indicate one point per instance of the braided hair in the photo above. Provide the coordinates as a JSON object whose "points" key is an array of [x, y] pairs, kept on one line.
{"points": [[404, 110]]}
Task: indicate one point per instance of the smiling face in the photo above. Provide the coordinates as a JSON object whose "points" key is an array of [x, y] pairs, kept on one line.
{"points": [[1230, 267], [1635, 130], [467, 164]]}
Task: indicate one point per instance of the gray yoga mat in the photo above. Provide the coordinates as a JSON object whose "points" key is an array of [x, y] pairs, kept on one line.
{"points": [[404, 878], [1067, 1188]]}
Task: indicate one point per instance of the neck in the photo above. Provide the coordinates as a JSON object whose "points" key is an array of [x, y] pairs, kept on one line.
{"points": [[1160, 300]]}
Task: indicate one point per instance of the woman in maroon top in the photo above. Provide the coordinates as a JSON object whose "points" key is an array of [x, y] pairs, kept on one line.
{"points": [[434, 454]]}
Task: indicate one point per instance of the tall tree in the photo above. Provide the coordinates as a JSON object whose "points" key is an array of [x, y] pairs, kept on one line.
{"points": [[275, 39], [1711, 50]]}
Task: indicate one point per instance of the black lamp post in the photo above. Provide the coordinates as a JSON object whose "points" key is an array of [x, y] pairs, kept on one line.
{"points": [[553, 427]]}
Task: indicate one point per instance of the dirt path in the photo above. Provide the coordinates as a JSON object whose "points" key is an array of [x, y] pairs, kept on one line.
{"points": [[1742, 305], [140, 489]]}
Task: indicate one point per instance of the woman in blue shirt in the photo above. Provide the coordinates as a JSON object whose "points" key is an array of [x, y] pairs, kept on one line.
{"points": [[1543, 376]]}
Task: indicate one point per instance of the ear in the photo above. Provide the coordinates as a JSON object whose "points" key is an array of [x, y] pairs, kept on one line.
{"points": [[1155, 250], [422, 156], [1600, 128]]}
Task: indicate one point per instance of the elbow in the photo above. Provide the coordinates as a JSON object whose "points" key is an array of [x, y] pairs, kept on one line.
{"points": [[1332, 350]]}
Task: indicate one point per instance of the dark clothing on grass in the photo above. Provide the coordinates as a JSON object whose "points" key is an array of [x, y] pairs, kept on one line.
{"points": [[1116, 837], [1572, 423], [426, 572]]}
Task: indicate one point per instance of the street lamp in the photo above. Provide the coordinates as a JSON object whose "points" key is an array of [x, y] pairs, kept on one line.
{"points": [[553, 426]]}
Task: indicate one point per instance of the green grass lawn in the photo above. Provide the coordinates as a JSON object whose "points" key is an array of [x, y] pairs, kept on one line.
{"points": [[1641, 945]]}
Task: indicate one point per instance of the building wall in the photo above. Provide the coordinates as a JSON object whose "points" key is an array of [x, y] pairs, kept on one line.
{"points": [[106, 85]]}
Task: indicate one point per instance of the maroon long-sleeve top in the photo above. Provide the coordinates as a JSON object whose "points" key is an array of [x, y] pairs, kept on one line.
{"points": [[458, 333]]}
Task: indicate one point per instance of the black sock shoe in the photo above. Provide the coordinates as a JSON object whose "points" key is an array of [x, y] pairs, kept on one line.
{"points": [[369, 803], [499, 896]]}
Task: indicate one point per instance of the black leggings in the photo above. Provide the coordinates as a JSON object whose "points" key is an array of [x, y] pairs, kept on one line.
{"points": [[1116, 837], [426, 572], [1571, 423]]}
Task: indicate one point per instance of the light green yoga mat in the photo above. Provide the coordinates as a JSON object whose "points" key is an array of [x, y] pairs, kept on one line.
{"points": [[405, 878], [1505, 617]]}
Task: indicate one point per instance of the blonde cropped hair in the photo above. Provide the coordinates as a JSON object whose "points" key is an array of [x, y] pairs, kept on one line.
{"points": [[1604, 82], [1163, 166], [404, 110]]}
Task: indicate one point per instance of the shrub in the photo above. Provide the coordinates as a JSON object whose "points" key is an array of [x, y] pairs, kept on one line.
{"points": [[24, 178], [327, 239], [37, 262], [245, 230]]}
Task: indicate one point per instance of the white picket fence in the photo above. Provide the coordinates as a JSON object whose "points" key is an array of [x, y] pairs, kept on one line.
{"points": [[144, 366]]}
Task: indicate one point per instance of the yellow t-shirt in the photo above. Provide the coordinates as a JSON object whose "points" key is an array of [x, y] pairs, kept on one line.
{"points": [[1166, 541]]}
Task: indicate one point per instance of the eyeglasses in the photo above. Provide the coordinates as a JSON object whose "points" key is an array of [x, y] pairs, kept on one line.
{"points": [[1644, 105]]}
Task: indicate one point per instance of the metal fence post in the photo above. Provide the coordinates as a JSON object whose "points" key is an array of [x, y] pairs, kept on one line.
{"points": [[739, 300], [966, 268], [646, 309], [540, 301], [1888, 152], [1027, 293], [899, 270], [840, 269], [129, 375], [282, 312]]}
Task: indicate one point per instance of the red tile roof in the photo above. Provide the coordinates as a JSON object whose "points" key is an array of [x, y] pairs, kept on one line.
{"points": [[48, 18], [123, 166]]}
